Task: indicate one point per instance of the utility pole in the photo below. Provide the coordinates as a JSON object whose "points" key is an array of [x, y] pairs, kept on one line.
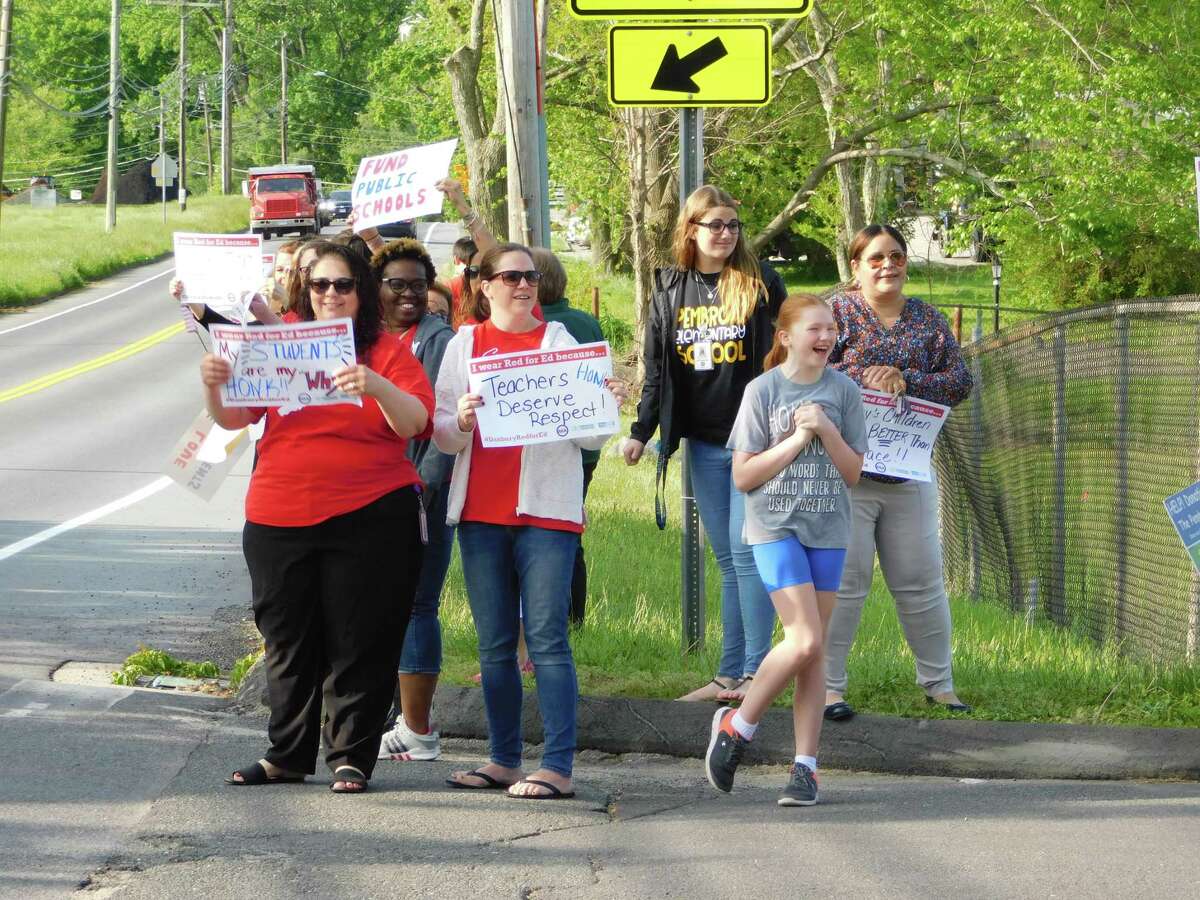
{"points": [[162, 147], [226, 112], [283, 89], [183, 117], [207, 134], [5, 43], [520, 94], [114, 109]]}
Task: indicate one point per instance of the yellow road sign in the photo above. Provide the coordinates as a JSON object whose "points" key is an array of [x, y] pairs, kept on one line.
{"points": [[690, 9], [689, 65]]}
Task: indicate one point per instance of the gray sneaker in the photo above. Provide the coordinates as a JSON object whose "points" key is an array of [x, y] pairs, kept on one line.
{"points": [[801, 789], [404, 744]]}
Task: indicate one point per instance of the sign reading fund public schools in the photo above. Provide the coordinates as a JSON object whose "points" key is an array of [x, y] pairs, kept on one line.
{"points": [[286, 365], [400, 185], [539, 396], [690, 9], [1184, 510], [689, 65], [901, 438]]}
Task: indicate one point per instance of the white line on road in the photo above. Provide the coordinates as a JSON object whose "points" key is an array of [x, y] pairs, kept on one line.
{"points": [[88, 517], [89, 303]]}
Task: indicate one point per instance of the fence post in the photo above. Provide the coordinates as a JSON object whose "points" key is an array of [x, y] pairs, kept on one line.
{"points": [[1192, 642], [596, 302], [1057, 599], [958, 324], [977, 453], [1121, 448]]}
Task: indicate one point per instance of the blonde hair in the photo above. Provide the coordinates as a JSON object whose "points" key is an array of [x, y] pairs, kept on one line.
{"points": [[740, 283], [789, 314]]}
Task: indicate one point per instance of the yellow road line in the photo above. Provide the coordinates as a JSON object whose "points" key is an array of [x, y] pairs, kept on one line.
{"points": [[125, 352]]}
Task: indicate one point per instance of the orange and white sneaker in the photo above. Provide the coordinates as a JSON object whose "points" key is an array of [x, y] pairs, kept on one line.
{"points": [[725, 749]]}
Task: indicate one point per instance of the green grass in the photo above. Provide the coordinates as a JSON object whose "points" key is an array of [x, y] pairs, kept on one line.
{"points": [[241, 667], [47, 252], [147, 661]]}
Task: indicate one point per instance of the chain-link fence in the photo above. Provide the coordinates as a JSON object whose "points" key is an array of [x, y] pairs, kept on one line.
{"points": [[1054, 472]]}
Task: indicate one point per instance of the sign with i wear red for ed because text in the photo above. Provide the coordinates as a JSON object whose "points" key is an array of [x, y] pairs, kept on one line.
{"points": [[400, 185]]}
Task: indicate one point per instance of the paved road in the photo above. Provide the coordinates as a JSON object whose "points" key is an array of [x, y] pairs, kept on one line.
{"points": [[120, 790]]}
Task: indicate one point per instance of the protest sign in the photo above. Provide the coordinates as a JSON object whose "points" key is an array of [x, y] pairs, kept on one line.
{"points": [[268, 265], [204, 454], [1184, 510], [900, 436], [285, 365], [220, 270], [400, 185], [538, 396]]}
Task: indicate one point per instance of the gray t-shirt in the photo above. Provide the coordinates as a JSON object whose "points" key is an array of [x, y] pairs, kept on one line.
{"points": [[809, 498]]}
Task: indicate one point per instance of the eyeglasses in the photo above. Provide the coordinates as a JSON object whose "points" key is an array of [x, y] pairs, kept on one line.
{"points": [[399, 285], [897, 258], [512, 277], [322, 285], [471, 271], [716, 226]]}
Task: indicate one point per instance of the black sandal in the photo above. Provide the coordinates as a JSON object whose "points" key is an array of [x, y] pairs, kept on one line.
{"points": [[356, 777], [255, 775], [839, 712], [490, 783]]}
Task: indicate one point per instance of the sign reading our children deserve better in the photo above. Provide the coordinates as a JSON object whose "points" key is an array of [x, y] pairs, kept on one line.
{"points": [[285, 365], [539, 396], [400, 185], [901, 435]]}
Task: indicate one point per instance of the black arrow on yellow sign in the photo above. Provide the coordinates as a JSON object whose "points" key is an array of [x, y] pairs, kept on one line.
{"points": [[675, 73]]}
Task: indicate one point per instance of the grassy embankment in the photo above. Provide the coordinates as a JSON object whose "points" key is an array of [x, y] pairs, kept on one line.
{"points": [[47, 252], [1009, 668]]}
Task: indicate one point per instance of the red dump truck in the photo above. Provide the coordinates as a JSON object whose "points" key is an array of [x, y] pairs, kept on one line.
{"points": [[283, 199]]}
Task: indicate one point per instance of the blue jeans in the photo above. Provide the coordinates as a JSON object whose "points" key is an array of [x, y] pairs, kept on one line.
{"points": [[504, 566], [422, 653], [747, 616]]}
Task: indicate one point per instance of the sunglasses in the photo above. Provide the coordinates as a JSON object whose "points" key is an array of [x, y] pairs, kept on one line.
{"points": [[512, 277], [399, 285], [716, 226], [896, 258], [322, 285], [471, 271]]}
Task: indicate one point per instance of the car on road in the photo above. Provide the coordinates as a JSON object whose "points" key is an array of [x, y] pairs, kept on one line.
{"points": [[405, 228], [336, 206]]}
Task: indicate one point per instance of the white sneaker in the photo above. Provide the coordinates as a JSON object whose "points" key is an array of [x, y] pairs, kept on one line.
{"points": [[404, 744]]}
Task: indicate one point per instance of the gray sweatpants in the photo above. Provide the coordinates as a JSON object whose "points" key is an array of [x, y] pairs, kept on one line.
{"points": [[900, 523]]}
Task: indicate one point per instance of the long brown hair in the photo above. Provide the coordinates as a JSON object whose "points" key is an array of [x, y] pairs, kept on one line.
{"points": [[789, 314], [740, 283], [295, 284]]}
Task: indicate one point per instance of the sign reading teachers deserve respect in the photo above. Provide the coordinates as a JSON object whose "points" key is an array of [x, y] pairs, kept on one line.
{"points": [[400, 185], [222, 271], [901, 436], [288, 366], [538, 396]]}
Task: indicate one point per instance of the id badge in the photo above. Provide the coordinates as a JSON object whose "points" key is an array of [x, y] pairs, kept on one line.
{"points": [[702, 356]]}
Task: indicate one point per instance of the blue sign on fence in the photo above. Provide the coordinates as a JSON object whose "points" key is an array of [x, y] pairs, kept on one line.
{"points": [[1184, 510]]}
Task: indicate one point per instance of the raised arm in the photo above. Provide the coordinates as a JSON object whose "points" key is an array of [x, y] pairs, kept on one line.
{"points": [[480, 234]]}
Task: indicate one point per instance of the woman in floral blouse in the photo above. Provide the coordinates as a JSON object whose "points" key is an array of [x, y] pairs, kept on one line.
{"points": [[897, 344]]}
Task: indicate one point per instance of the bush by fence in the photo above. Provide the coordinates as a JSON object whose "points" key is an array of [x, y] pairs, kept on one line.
{"points": [[1054, 473]]}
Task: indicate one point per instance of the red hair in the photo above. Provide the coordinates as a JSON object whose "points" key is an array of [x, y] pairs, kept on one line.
{"points": [[789, 314]]}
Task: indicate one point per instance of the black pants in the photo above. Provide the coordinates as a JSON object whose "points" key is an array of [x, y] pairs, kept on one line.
{"points": [[579, 576], [332, 602]]}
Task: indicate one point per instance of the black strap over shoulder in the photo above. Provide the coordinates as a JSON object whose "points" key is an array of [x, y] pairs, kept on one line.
{"points": [[660, 492]]}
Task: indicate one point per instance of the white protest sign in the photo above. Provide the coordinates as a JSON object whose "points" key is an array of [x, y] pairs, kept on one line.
{"points": [[539, 396], [268, 265], [900, 441], [285, 365], [1196, 162], [220, 270], [400, 185], [204, 454]]}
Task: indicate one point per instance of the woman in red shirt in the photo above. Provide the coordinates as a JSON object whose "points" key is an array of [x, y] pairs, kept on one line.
{"points": [[519, 512], [333, 496]]}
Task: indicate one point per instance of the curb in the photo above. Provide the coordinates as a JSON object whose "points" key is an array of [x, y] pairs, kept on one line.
{"points": [[868, 743]]}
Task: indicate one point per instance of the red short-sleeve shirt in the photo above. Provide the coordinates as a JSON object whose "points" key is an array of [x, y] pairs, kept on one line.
{"points": [[495, 475], [324, 461]]}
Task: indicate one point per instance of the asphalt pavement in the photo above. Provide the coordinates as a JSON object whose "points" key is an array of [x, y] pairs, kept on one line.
{"points": [[111, 792]]}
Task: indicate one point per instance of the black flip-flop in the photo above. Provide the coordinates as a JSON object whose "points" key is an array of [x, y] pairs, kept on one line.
{"points": [[950, 707], [255, 775], [555, 793], [492, 784], [356, 777], [839, 712]]}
